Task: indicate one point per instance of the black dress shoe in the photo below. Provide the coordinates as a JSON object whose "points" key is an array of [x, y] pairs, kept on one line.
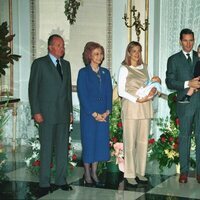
{"points": [[198, 178], [86, 183], [65, 187], [130, 185], [44, 191], [97, 183], [185, 99], [141, 181]]}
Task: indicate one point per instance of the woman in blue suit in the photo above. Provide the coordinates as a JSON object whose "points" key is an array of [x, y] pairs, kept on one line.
{"points": [[94, 89]]}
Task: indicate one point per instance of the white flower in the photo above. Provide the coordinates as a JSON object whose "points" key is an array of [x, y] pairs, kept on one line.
{"points": [[35, 155], [27, 161], [35, 145], [73, 163], [70, 139]]}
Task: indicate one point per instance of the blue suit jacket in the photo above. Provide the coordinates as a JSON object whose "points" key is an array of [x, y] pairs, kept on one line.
{"points": [[95, 94]]}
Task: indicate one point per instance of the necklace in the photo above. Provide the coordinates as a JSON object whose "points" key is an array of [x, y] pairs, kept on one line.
{"points": [[95, 69]]}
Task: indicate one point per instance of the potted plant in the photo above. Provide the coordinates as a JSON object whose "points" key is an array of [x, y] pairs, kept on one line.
{"points": [[116, 140], [71, 7], [6, 56]]}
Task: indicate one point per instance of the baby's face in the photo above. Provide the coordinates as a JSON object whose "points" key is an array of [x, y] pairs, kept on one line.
{"points": [[156, 79]]}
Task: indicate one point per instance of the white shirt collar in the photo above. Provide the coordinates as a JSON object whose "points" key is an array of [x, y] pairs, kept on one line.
{"points": [[53, 58], [185, 53]]}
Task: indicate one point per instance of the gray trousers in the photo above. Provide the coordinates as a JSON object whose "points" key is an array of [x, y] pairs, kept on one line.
{"points": [[189, 119], [53, 136]]}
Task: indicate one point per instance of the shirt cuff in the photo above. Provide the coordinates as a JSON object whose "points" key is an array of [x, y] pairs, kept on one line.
{"points": [[186, 84]]}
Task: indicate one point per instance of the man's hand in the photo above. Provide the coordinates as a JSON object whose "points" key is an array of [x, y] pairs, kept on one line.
{"points": [[71, 119], [195, 83], [38, 118]]}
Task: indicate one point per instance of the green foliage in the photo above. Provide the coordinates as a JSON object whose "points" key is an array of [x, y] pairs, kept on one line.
{"points": [[115, 131], [116, 128], [71, 7], [172, 98], [6, 56]]}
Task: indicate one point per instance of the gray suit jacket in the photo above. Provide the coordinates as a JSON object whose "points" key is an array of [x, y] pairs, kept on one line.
{"points": [[48, 94]]}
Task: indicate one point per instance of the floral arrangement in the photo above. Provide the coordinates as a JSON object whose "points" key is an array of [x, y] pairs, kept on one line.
{"points": [[116, 127], [32, 158], [119, 154], [116, 136], [165, 149]]}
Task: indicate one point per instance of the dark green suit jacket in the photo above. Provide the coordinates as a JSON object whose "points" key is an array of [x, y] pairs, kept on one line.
{"points": [[48, 94], [179, 71]]}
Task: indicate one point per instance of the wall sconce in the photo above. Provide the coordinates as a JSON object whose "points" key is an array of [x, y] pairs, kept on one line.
{"points": [[136, 22]]}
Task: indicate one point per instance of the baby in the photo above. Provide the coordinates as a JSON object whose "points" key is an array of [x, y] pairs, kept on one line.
{"points": [[186, 98], [151, 88]]}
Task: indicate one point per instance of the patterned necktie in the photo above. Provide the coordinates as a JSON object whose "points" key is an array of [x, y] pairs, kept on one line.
{"points": [[58, 67], [189, 59]]}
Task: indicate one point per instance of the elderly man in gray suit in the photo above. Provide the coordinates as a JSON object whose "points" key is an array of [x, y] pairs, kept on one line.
{"points": [[50, 97], [179, 76]]}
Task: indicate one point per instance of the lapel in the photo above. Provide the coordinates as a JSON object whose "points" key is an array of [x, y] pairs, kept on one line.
{"points": [[64, 70], [184, 62], [195, 58], [185, 66]]}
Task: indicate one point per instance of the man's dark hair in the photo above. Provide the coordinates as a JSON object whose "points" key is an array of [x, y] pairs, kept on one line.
{"points": [[50, 39], [186, 31]]}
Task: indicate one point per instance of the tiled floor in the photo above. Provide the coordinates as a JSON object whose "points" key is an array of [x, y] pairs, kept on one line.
{"points": [[23, 185]]}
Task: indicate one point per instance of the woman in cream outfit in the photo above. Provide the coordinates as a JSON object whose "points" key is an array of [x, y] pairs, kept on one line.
{"points": [[136, 114]]}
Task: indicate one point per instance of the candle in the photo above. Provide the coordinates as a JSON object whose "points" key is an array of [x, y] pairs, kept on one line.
{"points": [[146, 9], [125, 11]]}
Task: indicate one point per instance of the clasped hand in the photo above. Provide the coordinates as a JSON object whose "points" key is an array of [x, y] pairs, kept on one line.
{"points": [[101, 117], [194, 83]]}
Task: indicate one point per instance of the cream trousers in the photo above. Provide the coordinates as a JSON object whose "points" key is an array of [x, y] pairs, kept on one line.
{"points": [[135, 138]]}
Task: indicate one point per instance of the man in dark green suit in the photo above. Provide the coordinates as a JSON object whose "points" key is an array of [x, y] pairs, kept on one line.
{"points": [[179, 76], [50, 97]]}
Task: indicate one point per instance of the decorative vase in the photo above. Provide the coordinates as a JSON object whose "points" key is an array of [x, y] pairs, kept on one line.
{"points": [[178, 168], [112, 166]]}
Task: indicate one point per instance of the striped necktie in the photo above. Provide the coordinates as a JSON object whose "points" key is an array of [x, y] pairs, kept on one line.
{"points": [[189, 59]]}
